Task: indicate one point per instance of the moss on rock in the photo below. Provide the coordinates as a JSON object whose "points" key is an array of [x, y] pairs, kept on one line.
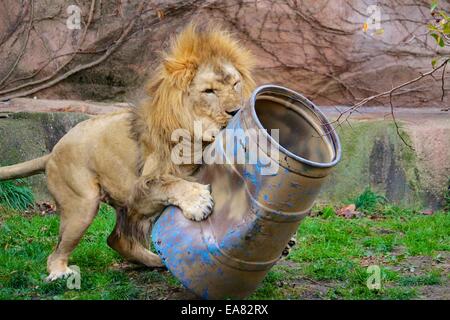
{"points": [[374, 155], [25, 136]]}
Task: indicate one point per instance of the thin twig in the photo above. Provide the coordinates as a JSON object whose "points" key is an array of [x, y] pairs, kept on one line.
{"points": [[35, 73], [22, 51], [397, 127], [443, 82]]}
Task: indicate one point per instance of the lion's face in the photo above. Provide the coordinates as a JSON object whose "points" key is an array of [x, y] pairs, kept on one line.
{"points": [[205, 77], [215, 93]]}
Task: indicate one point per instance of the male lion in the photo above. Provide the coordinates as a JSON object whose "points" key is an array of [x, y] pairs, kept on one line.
{"points": [[124, 158]]}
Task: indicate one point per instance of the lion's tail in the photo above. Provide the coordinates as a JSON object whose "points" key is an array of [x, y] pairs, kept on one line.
{"points": [[24, 169]]}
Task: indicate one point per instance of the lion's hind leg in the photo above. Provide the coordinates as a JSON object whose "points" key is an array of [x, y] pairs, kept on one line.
{"points": [[75, 219], [78, 205]]}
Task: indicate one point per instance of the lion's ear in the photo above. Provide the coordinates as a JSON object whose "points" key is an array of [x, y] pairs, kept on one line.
{"points": [[180, 72]]}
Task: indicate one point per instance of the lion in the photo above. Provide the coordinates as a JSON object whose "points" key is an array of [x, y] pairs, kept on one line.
{"points": [[124, 158]]}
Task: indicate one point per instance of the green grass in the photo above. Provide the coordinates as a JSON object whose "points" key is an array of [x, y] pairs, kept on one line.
{"points": [[330, 250], [26, 241], [15, 194], [329, 261]]}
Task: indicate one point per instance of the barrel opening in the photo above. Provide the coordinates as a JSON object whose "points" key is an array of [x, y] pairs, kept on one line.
{"points": [[301, 129]]}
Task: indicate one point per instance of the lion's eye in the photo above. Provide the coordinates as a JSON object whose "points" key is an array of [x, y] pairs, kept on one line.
{"points": [[237, 85], [209, 91]]}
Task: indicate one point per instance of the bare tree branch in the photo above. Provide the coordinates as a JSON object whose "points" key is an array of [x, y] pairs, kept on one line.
{"points": [[344, 115], [33, 83], [79, 68], [364, 101]]}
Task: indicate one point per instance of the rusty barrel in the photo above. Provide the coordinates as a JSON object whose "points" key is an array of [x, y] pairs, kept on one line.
{"points": [[258, 204]]}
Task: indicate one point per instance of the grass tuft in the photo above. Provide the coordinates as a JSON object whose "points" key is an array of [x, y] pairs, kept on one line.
{"points": [[369, 201], [430, 279], [15, 194], [328, 212]]}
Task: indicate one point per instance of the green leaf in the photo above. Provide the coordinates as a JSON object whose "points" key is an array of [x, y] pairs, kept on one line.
{"points": [[446, 28], [433, 6], [432, 28], [436, 37], [439, 39], [433, 62]]}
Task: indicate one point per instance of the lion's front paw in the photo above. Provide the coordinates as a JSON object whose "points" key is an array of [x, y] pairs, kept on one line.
{"points": [[197, 202], [59, 274]]}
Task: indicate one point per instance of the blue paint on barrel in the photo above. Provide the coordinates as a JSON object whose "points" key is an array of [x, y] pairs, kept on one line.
{"points": [[176, 248], [251, 177]]}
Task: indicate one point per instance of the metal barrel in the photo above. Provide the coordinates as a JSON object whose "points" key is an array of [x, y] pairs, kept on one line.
{"points": [[258, 204]]}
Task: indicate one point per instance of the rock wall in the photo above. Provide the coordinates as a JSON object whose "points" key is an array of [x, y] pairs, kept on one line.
{"points": [[373, 155], [315, 47], [25, 136]]}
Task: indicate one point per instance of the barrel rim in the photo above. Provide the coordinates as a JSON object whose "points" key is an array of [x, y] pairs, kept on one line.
{"points": [[307, 103]]}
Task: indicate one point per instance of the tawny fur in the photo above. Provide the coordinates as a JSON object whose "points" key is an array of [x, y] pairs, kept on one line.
{"points": [[124, 158]]}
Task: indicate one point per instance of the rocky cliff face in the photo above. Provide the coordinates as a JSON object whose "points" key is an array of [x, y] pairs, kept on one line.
{"points": [[25, 136], [315, 47]]}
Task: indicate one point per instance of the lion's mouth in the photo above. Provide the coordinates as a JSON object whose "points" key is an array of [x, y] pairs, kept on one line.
{"points": [[232, 113]]}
